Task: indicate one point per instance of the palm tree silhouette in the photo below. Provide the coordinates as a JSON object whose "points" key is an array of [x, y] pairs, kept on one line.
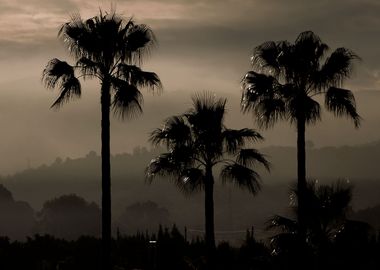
{"points": [[111, 49], [326, 214], [198, 141], [284, 82]]}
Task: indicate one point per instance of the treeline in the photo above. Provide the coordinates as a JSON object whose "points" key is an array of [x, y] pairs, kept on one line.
{"points": [[170, 249], [351, 161], [71, 216]]}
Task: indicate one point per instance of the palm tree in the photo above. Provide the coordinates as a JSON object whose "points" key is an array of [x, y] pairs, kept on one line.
{"points": [[111, 49], [326, 214], [283, 85], [197, 142]]}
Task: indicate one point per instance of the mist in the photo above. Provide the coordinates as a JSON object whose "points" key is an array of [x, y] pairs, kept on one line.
{"points": [[54, 183]]}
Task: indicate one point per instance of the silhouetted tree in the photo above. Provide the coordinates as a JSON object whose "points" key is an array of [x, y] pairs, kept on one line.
{"points": [[326, 208], [198, 141], [370, 215], [143, 216], [16, 217], [283, 85], [69, 217], [354, 244], [108, 48]]}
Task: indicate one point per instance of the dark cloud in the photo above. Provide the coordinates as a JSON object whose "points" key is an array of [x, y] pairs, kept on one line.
{"points": [[221, 28]]}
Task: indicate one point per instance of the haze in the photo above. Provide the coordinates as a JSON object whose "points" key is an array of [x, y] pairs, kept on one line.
{"points": [[202, 45]]}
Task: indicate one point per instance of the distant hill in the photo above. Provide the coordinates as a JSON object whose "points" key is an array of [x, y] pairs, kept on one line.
{"points": [[351, 162], [371, 215], [234, 209], [17, 217]]}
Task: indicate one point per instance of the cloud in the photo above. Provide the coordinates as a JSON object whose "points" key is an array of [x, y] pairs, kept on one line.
{"points": [[30, 21], [211, 34]]}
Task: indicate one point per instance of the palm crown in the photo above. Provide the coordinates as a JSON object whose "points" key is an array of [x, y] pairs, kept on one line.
{"points": [[327, 207], [198, 140], [108, 48], [287, 77]]}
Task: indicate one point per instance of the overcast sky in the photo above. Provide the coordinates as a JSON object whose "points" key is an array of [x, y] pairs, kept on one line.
{"points": [[202, 45]]}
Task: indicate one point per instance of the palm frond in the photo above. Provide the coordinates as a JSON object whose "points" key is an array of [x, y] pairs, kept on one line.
{"points": [[259, 85], [325, 206], [163, 165], [265, 58], [95, 38], [285, 243], [264, 96], [139, 39], [234, 139], [342, 194], [175, 132], [190, 181], [333, 201], [308, 51], [56, 72], [268, 111], [337, 67], [342, 103], [353, 229], [89, 68], [185, 156], [134, 75], [60, 74], [69, 89], [250, 157], [205, 104], [206, 120], [242, 177], [187, 179], [283, 224], [127, 99], [76, 35]]}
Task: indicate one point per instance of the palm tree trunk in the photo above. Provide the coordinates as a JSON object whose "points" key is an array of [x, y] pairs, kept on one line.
{"points": [[209, 217], [106, 176], [301, 174]]}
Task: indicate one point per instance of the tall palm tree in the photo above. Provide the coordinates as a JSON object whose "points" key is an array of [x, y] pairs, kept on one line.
{"points": [[197, 142], [111, 49], [284, 82]]}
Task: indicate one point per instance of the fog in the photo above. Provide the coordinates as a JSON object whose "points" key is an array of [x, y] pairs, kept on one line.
{"points": [[33, 134], [202, 45], [138, 206]]}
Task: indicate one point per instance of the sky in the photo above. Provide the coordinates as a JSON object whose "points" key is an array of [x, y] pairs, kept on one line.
{"points": [[202, 45]]}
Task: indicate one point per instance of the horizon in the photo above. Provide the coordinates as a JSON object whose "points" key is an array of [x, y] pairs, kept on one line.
{"points": [[31, 166]]}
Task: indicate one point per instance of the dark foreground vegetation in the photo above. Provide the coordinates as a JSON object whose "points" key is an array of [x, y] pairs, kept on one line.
{"points": [[353, 248]]}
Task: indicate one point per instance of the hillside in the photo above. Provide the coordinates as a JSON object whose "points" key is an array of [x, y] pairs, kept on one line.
{"points": [[235, 209]]}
